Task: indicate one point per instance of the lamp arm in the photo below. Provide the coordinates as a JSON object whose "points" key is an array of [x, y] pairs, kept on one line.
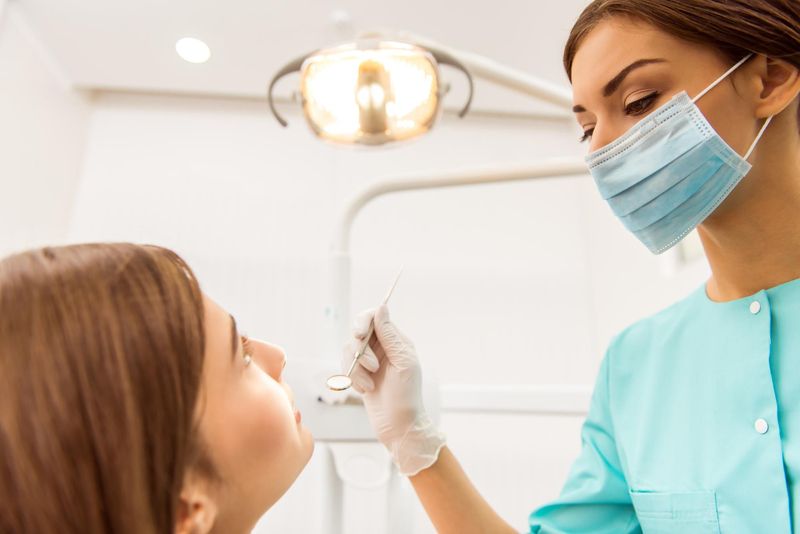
{"points": [[292, 66], [444, 58], [488, 69], [549, 168]]}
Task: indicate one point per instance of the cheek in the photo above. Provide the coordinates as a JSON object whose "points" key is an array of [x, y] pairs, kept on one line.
{"points": [[731, 121], [271, 448], [253, 434], [255, 442], [263, 419]]}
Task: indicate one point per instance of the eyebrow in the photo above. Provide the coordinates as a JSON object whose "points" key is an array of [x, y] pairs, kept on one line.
{"points": [[234, 338], [617, 80]]}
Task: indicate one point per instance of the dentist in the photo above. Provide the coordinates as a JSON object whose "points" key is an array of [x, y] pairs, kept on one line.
{"points": [[690, 111]]}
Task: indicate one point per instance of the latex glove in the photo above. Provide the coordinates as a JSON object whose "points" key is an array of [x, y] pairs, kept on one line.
{"points": [[390, 379]]}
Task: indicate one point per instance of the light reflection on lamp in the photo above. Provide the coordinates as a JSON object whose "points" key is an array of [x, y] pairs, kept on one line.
{"points": [[371, 92], [374, 98]]}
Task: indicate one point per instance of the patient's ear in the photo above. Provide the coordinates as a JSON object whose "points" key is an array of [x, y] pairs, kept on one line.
{"points": [[196, 510]]}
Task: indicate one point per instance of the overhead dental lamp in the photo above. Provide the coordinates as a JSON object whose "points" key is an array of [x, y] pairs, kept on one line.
{"points": [[371, 92]]}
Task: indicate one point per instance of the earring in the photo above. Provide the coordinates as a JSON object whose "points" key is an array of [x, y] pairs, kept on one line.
{"points": [[247, 359]]}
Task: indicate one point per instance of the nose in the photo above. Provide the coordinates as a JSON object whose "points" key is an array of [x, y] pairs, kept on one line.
{"points": [[270, 358], [602, 137], [289, 392]]}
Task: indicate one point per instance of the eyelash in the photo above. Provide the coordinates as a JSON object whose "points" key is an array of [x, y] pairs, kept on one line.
{"points": [[646, 103]]}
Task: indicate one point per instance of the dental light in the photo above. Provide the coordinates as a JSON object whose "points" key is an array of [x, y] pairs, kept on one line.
{"points": [[371, 92]]}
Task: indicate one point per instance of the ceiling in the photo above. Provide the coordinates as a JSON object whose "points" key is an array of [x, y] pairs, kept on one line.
{"points": [[130, 46]]}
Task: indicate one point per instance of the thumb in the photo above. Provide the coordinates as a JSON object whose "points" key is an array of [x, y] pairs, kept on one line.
{"points": [[390, 338], [381, 314], [361, 323], [384, 328]]}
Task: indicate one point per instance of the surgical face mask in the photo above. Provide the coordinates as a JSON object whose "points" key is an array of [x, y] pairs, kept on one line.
{"points": [[665, 175]]}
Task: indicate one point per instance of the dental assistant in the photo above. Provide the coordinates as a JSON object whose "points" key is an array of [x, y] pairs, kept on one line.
{"points": [[690, 111]]}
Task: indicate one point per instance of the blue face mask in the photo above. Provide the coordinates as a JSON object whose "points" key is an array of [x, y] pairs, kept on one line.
{"points": [[665, 175]]}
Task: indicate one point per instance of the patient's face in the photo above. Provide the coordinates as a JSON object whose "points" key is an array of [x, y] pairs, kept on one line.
{"points": [[248, 422]]}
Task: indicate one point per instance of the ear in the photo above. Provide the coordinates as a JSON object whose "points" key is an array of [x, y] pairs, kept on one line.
{"points": [[780, 85], [196, 510]]}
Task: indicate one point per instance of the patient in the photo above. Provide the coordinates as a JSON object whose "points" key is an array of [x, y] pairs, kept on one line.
{"points": [[129, 403]]}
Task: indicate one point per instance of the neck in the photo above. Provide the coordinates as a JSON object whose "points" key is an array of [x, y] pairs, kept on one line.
{"points": [[752, 241], [232, 525], [240, 529]]}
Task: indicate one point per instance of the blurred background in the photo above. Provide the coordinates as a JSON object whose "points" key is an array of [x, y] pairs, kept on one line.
{"points": [[510, 292]]}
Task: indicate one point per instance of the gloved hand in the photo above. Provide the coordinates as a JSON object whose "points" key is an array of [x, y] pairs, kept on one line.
{"points": [[389, 377]]}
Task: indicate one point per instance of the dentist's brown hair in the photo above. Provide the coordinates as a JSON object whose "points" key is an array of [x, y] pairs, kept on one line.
{"points": [[101, 356], [734, 27]]}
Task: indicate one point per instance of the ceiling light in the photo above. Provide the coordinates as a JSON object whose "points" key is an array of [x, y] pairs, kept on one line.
{"points": [[193, 50]]}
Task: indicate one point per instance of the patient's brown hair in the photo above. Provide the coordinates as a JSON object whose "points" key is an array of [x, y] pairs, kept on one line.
{"points": [[101, 356]]}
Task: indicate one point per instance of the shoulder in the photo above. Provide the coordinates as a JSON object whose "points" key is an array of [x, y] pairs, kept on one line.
{"points": [[653, 333], [641, 358]]}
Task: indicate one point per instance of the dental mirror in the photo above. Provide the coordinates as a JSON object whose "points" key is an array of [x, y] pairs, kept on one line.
{"points": [[343, 382]]}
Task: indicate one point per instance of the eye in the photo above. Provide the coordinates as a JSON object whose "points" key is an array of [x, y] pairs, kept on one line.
{"points": [[637, 107], [587, 134]]}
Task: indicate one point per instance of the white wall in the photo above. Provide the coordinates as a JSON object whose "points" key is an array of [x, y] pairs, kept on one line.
{"points": [[504, 285], [42, 134]]}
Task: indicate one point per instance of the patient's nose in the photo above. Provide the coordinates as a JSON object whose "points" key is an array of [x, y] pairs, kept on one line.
{"points": [[271, 358]]}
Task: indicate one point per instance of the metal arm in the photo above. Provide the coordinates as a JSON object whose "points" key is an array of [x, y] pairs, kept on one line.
{"points": [[292, 66], [339, 309], [488, 69], [413, 182], [443, 58]]}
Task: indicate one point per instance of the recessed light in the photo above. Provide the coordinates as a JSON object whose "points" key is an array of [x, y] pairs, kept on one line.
{"points": [[193, 50]]}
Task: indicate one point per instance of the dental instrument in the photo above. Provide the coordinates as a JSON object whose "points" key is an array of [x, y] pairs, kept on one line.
{"points": [[343, 382]]}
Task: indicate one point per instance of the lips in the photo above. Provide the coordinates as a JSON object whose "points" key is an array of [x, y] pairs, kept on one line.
{"points": [[297, 416]]}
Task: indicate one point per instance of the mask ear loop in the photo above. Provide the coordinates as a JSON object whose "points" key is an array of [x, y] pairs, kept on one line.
{"points": [[719, 80], [760, 133]]}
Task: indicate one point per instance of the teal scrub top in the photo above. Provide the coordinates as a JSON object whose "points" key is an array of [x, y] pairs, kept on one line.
{"points": [[694, 424]]}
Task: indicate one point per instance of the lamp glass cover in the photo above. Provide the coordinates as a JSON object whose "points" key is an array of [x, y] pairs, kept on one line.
{"points": [[370, 95]]}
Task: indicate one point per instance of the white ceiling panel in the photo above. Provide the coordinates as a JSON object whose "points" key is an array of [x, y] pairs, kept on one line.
{"points": [[109, 44]]}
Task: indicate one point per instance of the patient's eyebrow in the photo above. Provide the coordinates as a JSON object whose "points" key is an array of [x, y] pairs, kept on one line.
{"points": [[234, 338]]}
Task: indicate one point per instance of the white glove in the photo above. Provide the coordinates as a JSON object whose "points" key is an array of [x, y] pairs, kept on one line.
{"points": [[389, 377]]}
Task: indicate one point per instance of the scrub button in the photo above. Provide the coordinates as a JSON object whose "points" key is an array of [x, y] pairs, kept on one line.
{"points": [[755, 307], [761, 426]]}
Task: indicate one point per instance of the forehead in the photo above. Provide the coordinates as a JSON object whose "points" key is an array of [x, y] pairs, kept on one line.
{"points": [[616, 43], [218, 333]]}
